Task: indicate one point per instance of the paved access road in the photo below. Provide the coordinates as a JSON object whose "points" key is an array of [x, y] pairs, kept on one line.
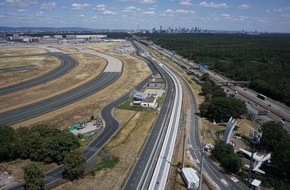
{"points": [[66, 98], [142, 167], [111, 127], [67, 64]]}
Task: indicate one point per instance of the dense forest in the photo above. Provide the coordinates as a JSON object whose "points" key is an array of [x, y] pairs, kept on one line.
{"points": [[264, 60]]}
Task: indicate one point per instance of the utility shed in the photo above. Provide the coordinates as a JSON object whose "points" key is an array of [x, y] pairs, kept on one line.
{"points": [[190, 178], [256, 184]]}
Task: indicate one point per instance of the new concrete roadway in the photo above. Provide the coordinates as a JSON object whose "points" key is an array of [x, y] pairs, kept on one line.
{"points": [[67, 64], [147, 158]]}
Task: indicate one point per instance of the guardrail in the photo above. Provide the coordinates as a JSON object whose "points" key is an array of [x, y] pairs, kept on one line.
{"points": [[161, 172]]}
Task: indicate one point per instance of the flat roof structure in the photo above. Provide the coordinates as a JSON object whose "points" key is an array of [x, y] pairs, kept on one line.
{"points": [[159, 92], [140, 95], [190, 177]]}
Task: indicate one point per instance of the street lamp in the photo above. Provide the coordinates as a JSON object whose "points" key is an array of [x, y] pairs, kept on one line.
{"points": [[255, 137]]}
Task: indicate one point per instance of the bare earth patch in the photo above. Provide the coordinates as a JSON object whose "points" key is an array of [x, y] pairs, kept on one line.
{"points": [[43, 64], [15, 168]]}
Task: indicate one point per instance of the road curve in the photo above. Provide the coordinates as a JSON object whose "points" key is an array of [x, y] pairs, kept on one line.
{"points": [[67, 64], [136, 178], [111, 127]]}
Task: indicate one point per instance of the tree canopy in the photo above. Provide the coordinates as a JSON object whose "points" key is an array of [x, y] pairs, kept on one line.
{"points": [[216, 105], [263, 60], [33, 177], [224, 153], [276, 140], [74, 164], [40, 143]]}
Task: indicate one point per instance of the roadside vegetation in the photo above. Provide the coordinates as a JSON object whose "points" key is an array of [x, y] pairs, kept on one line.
{"points": [[276, 140], [217, 106], [33, 177], [224, 153], [263, 60], [42, 144]]}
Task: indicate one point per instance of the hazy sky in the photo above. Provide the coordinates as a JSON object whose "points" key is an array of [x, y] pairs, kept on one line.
{"points": [[250, 15]]}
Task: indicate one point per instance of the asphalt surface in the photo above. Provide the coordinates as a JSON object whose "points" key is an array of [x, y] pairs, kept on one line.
{"points": [[67, 64], [18, 68], [50, 104], [111, 127], [136, 177], [218, 177]]}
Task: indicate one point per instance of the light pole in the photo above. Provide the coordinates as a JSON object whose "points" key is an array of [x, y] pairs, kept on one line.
{"points": [[201, 162], [255, 138]]}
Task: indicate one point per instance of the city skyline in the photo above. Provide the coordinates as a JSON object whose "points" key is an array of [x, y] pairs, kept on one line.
{"points": [[260, 15]]}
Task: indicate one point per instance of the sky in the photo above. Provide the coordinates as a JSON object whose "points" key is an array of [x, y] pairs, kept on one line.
{"points": [[235, 15]]}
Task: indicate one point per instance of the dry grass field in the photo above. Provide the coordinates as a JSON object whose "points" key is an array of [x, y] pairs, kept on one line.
{"points": [[135, 125], [88, 68], [134, 71], [66, 48], [125, 146], [43, 64], [12, 51]]}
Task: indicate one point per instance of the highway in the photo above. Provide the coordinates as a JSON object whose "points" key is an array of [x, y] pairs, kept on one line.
{"points": [[67, 64], [213, 173], [162, 169], [141, 174]]}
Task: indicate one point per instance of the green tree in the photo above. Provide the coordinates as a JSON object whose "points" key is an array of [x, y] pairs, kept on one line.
{"points": [[8, 142], [34, 177], [222, 150], [276, 139], [74, 164], [222, 108], [273, 134], [281, 155], [224, 153], [232, 163]]}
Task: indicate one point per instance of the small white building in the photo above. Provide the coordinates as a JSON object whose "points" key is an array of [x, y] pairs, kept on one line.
{"points": [[150, 101], [140, 96], [190, 178], [256, 184]]}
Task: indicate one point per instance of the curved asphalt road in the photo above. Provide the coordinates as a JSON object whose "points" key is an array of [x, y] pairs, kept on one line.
{"points": [[218, 177], [67, 64], [112, 126], [136, 176]]}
